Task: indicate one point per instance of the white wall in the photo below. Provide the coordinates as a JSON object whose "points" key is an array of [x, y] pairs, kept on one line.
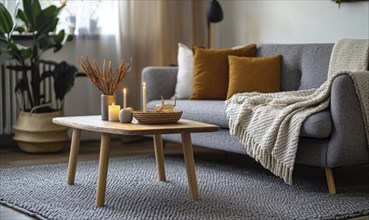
{"points": [[315, 21]]}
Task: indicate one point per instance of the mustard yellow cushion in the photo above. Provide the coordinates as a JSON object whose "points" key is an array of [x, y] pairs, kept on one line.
{"points": [[258, 74], [211, 73]]}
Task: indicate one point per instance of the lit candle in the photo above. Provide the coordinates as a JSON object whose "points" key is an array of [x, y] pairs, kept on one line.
{"points": [[124, 98], [113, 112], [144, 96]]}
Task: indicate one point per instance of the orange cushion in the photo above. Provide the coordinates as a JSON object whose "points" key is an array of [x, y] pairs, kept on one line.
{"points": [[210, 77], [258, 74]]}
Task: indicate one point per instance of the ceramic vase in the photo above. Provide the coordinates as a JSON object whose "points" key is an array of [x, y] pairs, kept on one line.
{"points": [[106, 100]]}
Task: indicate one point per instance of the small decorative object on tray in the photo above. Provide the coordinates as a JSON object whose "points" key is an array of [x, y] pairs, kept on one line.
{"points": [[166, 107], [126, 115], [163, 114]]}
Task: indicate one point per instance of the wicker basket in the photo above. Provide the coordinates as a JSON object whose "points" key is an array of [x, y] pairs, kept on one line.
{"points": [[35, 132], [154, 117]]}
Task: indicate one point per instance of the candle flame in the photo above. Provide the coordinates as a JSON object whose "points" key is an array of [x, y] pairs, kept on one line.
{"points": [[124, 90], [113, 104], [144, 83]]}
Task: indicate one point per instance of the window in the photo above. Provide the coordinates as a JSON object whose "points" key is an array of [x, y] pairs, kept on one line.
{"points": [[79, 17]]}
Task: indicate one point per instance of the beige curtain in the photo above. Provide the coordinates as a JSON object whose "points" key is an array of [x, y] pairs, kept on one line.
{"points": [[149, 32]]}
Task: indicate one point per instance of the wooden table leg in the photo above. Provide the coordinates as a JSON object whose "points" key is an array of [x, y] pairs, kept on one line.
{"points": [[190, 164], [159, 156], [103, 169], [73, 155]]}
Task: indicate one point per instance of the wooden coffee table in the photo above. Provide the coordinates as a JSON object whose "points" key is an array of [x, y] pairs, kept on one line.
{"points": [[94, 123]]}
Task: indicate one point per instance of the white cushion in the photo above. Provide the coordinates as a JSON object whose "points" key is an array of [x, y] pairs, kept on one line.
{"points": [[185, 72]]}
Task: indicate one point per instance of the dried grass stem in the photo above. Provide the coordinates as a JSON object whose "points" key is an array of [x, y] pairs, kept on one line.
{"points": [[106, 80]]}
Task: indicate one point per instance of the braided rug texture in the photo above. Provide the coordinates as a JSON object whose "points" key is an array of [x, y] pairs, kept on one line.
{"points": [[134, 192]]}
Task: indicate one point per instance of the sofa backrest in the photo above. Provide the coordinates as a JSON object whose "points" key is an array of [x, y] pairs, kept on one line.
{"points": [[304, 66]]}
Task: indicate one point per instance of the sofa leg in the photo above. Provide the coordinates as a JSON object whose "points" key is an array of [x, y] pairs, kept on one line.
{"points": [[330, 181]]}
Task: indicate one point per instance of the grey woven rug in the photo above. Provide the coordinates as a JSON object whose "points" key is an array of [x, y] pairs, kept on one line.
{"points": [[133, 192]]}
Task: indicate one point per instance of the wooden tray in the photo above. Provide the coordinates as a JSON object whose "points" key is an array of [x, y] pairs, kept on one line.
{"points": [[154, 117]]}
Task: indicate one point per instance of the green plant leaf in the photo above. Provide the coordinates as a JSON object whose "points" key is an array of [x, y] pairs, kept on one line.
{"points": [[19, 29], [48, 19], [18, 51], [26, 53], [6, 21], [20, 15], [48, 26], [64, 76], [32, 9], [40, 22], [70, 38], [58, 47], [46, 42], [59, 38]]}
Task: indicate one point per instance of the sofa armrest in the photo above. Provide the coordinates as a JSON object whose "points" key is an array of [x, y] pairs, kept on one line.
{"points": [[160, 81], [348, 145]]}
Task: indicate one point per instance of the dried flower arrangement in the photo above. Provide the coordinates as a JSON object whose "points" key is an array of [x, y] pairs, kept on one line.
{"points": [[106, 80]]}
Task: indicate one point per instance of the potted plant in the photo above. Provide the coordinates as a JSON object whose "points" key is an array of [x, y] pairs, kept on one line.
{"points": [[34, 130]]}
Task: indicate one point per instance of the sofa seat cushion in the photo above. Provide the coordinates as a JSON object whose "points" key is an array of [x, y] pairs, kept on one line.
{"points": [[318, 125]]}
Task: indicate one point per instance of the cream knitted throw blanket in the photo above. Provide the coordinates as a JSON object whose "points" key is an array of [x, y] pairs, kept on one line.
{"points": [[268, 124]]}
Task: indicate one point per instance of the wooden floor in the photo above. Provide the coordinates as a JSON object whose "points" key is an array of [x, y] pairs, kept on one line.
{"points": [[347, 179]]}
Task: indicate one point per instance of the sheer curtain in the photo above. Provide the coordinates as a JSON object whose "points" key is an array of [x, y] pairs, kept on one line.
{"points": [[149, 32]]}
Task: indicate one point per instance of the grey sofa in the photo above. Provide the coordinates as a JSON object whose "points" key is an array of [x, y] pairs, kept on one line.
{"points": [[329, 139]]}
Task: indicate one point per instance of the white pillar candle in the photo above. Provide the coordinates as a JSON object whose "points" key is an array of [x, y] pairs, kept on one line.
{"points": [[144, 96], [124, 98], [113, 112]]}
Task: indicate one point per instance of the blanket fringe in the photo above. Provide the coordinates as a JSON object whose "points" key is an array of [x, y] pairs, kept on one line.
{"points": [[265, 158]]}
